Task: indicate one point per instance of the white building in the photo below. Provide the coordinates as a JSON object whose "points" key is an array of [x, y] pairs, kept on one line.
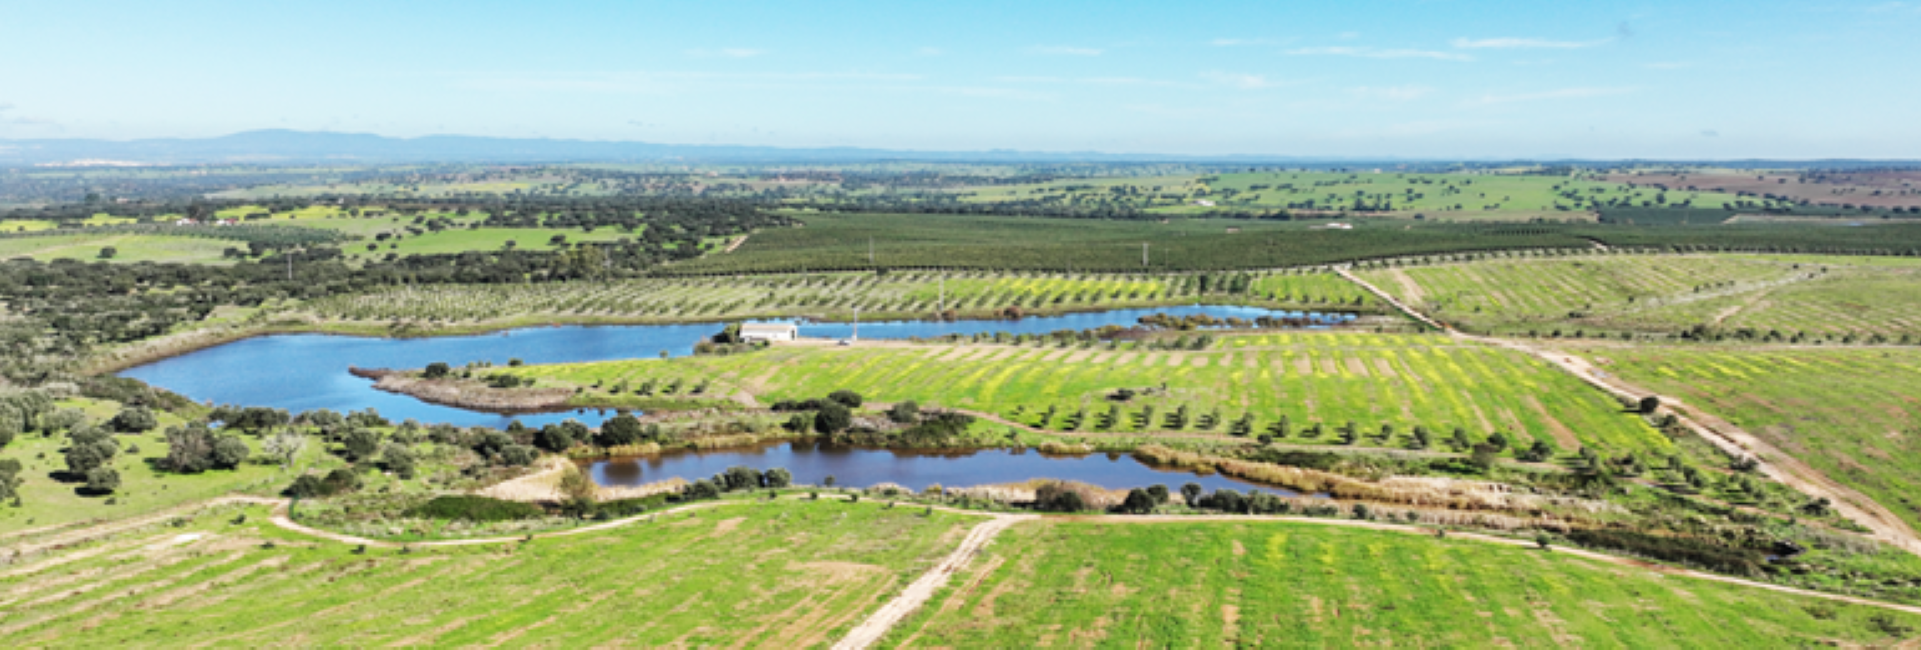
{"points": [[768, 332]]}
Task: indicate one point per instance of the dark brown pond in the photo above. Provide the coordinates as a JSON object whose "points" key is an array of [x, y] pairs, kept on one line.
{"points": [[812, 462]]}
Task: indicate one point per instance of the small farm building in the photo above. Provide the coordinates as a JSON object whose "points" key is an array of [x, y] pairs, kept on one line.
{"points": [[768, 332]]}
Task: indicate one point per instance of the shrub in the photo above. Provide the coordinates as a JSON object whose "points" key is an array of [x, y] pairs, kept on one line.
{"points": [[102, 480], [133, 419], [832, 417], [436, 370], [474, 508], [907, 412], [518, 455], [845, 397], [228, 452], [619, 430]]}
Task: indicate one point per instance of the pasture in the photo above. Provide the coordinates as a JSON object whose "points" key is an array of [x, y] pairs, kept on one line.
{"points": [[1851, 299], [1287, 384], [1850, 412], [128, 247], [792, 574], [827, 296], [838, 241], [46, 501], [1446, 196], [1063, 582]]}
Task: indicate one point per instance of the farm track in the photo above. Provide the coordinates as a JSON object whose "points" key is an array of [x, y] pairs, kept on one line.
{"points": [[919, 592], [1773, 462]]}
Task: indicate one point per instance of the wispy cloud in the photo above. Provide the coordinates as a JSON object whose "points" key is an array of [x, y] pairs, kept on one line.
{"points": [[4, 106], [727, 52], [1378, 53], [641, 82], [1064, 50], [1237, 42], [1527, 43], [1391, 93], [1091, 81], [1242, 81], [1563, 93]]}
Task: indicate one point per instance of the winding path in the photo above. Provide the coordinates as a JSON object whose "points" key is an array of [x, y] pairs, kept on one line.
{"points": [[922, 589], [1773, 462]]}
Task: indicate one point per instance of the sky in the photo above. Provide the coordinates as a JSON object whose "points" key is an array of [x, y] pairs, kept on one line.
{"points": [[1418, 79]]}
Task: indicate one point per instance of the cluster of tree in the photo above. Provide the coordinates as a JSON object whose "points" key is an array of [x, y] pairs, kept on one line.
{"points": [[194, 448], [832, 414], [737, 478]]}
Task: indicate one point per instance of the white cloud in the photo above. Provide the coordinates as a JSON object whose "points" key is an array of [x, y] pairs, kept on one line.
{"points": [[5, 106], [1563, 93], [727, 52], [1376, 53], [1064, 50], [630, 82], [1242, 80], [1392, 93], [1520, 43], [1233, 42]]}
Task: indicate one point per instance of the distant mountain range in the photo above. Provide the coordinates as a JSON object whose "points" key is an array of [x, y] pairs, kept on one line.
{"points": [[286, 146]]}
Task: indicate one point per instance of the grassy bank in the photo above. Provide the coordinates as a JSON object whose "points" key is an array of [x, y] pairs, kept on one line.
{"points": [[1287, 584], [1284, 383], [792, 574]]}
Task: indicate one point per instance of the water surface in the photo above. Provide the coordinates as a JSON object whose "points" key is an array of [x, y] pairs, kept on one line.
{"points": [[300, 372], [812, 462]]}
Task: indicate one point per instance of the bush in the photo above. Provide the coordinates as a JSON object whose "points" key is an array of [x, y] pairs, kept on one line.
{"points": [[102, 480], [907, 412], [619, 430], [133, 419], [229, 452], [518, 455], [844, 397], [832, 418], [473, 508], [308, 486], [436, 370]]}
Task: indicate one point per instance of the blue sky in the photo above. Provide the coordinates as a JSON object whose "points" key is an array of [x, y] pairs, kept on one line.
{"points": [[1420, 79]]}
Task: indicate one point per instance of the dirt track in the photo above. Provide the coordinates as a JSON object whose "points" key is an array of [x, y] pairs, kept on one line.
{"points": [[1774, 463], [923, 588]]}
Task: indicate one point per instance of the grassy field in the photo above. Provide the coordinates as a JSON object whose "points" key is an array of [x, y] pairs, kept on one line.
{"points": [[1467, 197], [128, 247], [1509, 294], [1854, 414], [793, 574], [1326, 378], [1830, 297], [834, 241], [1191, 584], [48, 502], [831, 295]]}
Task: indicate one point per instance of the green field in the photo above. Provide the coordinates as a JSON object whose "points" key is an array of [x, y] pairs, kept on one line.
{"points": [[1808, 295], [1510, 294], [833, 296], [1193, 584], [1327, 378], [1854, 414], [792, 574], [128, 247], [832, 241], [1454, 196]]}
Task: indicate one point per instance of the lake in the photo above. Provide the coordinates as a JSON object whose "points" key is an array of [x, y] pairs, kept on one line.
{"points": [[299, 372], [812, 462]]}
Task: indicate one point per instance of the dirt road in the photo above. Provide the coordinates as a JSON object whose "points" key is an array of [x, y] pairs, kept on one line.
{"points": [[917, 593]]}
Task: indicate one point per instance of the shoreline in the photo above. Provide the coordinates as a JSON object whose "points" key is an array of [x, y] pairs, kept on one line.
{"points": [[215, 337]]}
